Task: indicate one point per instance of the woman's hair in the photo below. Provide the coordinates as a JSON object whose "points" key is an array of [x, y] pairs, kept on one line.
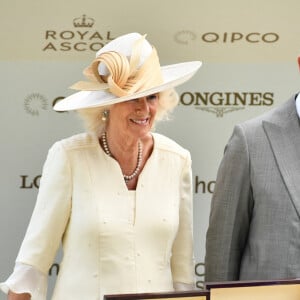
{"points": [[93, 117]]}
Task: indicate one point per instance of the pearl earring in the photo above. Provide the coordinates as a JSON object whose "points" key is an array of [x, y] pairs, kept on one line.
{"points": [[104, 115]]}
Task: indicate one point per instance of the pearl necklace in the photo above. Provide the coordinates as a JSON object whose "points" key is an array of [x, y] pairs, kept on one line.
{"points": [[139, 157]]}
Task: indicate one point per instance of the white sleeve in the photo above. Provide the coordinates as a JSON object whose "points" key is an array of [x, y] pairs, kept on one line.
{"points": [[26, 279], [182, 260]]}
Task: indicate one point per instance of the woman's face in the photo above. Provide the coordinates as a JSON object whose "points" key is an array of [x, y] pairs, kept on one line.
{"points": [[134, 117]]}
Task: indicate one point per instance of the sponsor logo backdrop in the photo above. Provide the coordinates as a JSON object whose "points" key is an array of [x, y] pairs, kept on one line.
{"points": [[248, 48]]}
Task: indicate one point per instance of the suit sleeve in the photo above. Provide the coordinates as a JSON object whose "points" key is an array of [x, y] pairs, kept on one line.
{"points": [[230, 212], [182, 253], [51, 212]]}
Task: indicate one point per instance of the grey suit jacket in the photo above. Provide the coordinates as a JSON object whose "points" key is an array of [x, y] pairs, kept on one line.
{"points": [[254, 227]]}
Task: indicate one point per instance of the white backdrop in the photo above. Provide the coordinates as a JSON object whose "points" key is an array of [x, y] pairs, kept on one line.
{"points": [[248, 48]]}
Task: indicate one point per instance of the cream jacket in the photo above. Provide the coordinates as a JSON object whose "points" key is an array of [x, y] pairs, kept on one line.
{"points": [[114, 240]]}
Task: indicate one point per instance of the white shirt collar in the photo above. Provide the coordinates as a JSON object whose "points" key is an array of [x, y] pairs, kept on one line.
{"points": [[298, 104]]}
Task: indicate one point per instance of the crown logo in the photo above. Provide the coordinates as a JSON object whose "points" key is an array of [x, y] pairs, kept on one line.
{"points": [[83, 21]]}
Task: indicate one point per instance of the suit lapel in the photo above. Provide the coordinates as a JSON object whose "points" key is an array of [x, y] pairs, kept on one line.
{"points": [[283, 132]]}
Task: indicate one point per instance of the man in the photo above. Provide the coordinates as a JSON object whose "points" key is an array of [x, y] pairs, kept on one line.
{"points": [[254, 227]]}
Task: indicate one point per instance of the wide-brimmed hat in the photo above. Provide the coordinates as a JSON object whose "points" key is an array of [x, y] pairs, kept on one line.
{"points": [[124, 69]]}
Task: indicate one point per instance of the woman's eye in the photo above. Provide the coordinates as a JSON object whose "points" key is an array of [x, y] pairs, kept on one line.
{"points": [[152, 97]]}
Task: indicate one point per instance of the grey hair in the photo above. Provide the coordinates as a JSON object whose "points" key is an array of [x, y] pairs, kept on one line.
{"points": [[94, 123]]}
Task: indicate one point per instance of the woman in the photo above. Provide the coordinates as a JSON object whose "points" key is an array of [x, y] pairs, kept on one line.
{"points": [[118, 197]]}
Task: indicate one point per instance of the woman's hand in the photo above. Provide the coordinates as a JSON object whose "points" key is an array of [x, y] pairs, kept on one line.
{"points": [[14, 296]]}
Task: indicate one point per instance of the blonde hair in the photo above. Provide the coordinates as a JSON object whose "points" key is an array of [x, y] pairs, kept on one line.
{"points": [[93, 117]]}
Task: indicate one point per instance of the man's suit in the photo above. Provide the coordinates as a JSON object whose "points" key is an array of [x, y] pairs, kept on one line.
{"points": [[254, 227]]}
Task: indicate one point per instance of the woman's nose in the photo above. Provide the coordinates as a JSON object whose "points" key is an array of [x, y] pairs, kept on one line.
{"points": [[142, 105]]}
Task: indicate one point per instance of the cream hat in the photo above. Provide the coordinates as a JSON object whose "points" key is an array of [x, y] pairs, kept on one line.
{"points": [[124, 69]]}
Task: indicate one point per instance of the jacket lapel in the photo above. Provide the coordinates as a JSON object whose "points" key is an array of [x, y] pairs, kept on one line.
{"points": [[283, 132]]}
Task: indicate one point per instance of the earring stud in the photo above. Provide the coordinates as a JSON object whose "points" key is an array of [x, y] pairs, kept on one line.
{"points": [[104, 115]]}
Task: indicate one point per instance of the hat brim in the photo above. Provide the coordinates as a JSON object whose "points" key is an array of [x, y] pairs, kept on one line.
{"points": [[173, 75]]}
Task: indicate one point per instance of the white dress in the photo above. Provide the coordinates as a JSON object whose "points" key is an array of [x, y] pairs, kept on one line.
{"points": [[114, 240]]}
